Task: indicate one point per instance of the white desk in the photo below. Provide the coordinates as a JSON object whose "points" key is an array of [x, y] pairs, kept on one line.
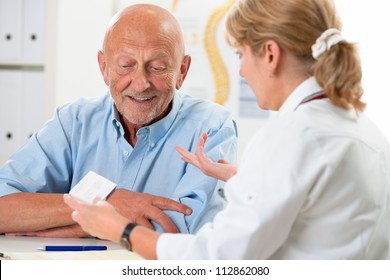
{"points": [[25, 248]]}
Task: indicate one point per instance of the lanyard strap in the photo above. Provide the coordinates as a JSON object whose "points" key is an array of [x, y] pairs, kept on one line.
{"points": [[314, 96]]}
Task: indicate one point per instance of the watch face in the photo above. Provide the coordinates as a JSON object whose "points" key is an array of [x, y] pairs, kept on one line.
{"points": [[125, 243]]}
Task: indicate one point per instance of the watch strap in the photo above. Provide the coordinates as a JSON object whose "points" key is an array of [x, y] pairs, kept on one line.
{"points": [[125, 238]]}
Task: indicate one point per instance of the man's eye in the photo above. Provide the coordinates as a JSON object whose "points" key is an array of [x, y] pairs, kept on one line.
{"points": [[126, 65], [157, 69]]}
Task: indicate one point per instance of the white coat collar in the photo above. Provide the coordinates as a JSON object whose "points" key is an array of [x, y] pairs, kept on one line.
{"points": [[304, 90]]}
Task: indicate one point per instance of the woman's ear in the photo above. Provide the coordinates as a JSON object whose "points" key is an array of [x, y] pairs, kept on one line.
{"points": [[103, 67], [272, 53]]}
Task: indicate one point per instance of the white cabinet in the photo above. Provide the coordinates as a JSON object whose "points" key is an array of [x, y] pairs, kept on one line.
{"points": [[10, 112], [10, 29], [33, 30], [25, 62], [22, 31]]}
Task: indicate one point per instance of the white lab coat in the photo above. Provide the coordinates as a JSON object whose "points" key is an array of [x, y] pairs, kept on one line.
{"points": [[314, 183]]}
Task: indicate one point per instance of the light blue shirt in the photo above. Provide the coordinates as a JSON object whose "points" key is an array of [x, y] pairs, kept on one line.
{"points": [[87, 135]]}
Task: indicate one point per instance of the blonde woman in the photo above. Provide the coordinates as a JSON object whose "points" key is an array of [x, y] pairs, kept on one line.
{"points": [[314, 182]]}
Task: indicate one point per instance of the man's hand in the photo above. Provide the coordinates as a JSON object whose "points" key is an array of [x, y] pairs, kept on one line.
{"points": [[142, 208], [221, 170]]}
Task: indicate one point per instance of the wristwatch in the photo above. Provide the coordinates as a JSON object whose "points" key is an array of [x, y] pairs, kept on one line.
{"points": [[125, 238]]}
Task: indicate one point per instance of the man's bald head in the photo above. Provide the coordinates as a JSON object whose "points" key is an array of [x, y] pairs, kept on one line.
{"points": [[144, 23]]}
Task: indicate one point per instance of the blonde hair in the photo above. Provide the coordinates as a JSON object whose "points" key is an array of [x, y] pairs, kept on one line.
{"points": [[296, 25]]}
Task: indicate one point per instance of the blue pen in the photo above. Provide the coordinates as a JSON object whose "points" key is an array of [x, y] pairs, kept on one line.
{"points": [[73, 248]]}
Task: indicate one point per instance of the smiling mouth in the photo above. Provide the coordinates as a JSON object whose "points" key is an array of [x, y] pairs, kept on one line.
{"points": [[140, 99]]}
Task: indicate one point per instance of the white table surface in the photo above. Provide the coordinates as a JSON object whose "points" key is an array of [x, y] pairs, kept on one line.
{"points": [[26, 247]]}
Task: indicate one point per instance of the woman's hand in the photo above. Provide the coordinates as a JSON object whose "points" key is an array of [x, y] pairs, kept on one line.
{"points": [[99, 219], [221, 170]]}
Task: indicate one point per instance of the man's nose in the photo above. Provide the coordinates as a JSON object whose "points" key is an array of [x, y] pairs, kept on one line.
{"points": [[140, 80]]}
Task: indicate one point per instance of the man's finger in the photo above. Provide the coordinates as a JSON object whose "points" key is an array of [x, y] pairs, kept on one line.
{"points": [[169, 204], [144, 222], [163, 220]]}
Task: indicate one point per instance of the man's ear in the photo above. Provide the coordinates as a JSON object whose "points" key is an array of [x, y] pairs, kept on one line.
{"points": [[184, 67], [103, 67], [272, 57]]}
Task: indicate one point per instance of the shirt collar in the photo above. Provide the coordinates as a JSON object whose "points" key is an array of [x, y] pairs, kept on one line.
{"points": [[160, 128], [115, 119], [304, 90], [157, 129]]}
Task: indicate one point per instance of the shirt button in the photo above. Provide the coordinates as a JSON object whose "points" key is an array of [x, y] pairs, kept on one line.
{"points": [[117, 124], [126, 153], [152, 145]]}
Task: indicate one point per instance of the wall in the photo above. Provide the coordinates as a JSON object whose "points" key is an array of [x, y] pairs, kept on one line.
{"points": [[367, 24], [80, 31]]}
